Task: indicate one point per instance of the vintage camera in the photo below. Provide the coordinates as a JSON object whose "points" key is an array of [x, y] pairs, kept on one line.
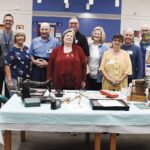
{"points": [[59, 93]]}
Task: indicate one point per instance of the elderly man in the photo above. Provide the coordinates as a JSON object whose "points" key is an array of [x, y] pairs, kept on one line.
{"points": [[135, 54], [145, 48], [6, 41], [80, 38], [40, 51]]}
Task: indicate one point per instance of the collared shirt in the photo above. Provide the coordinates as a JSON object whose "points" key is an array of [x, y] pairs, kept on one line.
{"points": [[136, 60], [95, 58], [19, 62], [6, 41], [115, 67], [42, 48]]}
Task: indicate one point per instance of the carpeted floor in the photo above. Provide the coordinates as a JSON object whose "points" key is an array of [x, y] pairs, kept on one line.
{"points": [[64, 141]]}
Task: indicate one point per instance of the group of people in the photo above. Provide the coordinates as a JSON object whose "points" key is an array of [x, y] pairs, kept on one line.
{"points": [[75, 62]]}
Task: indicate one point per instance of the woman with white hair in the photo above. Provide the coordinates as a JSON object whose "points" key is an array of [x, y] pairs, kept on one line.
{"points": [[67, 64], [17, 60], [97, 48]]}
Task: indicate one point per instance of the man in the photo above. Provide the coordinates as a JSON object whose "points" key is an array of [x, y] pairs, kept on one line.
{"points": [[6, 41], [40, 50], [145, 45], [80, 38], [135, 54]]}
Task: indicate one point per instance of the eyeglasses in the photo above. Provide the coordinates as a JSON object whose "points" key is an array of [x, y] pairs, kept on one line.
{"points": [[75, 23], [117, 40], [8, 20], [144, 30]]}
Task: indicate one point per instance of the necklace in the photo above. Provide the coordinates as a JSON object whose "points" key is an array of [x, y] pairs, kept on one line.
{"points": [[7, 40]]}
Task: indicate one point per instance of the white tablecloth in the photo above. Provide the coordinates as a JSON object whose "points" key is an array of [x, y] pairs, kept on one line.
{"points": [[73, 117]]}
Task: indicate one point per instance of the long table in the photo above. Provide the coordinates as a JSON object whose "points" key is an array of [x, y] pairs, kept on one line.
{"points": [[77, 116]]}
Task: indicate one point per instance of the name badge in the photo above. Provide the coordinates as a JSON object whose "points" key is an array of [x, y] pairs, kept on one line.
{"points": [[76, 41], [49, 50], [110, 61], [130, 52]]}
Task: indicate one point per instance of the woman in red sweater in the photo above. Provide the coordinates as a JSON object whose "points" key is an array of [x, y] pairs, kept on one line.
{"points": [[67, 64]]}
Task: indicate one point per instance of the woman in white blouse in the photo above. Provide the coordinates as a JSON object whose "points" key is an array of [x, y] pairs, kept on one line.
{"points": [[97, 47]]}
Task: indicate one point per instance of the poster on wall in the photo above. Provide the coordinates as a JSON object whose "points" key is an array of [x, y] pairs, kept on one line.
{"points": [[1, 26], [19, 27], [53, 26], [137, 37]]}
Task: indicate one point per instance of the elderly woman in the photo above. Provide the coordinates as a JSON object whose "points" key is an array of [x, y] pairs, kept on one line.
{"points": [[67, 64], [97, 48], [17, 60], [115, 66]]}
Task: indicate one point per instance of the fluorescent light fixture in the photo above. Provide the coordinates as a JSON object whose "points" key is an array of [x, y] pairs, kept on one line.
{"points": [[117, 3], [67, 5], [87, 6], [65, 1], [39, 1], [91, 2]]}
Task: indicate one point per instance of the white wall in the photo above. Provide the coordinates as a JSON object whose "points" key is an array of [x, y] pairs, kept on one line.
{"points": [[22, 12], [135, 13]]}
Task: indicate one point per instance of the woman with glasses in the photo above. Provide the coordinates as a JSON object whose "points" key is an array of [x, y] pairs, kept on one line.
{"points": [[67, 64], [115, 66]]}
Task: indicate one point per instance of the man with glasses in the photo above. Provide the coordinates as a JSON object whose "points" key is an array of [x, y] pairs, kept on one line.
{"points": [[6, 41], [80, 38], [145, 47]]}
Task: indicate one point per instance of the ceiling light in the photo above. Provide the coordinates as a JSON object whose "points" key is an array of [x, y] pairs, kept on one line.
{"points": [[117, 3], [87, 6], [39, 1], [91, 2], [65, 1], [67, 5]]}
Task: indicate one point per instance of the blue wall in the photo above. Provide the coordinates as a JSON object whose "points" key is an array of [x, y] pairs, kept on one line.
{"points": [[100, 6], [86, 24]]}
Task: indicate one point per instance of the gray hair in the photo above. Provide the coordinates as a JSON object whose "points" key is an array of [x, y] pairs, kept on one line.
{"points": [[103, 37], [128, 30]]}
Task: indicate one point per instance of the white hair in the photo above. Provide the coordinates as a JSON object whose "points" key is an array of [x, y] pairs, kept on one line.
{"points": [[45, 24], [128, 30], [145, 26]]}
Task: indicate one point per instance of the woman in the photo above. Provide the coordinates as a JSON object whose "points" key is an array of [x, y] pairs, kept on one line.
{"points": [[67, 64], [115, 66], [17, 60], [97, 48]]}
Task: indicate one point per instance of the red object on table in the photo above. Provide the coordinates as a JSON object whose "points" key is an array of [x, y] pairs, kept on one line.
{"points": [[109, 94]]}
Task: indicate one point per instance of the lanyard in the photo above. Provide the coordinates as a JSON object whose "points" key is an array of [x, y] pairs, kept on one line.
{"points": [[7, 43]]}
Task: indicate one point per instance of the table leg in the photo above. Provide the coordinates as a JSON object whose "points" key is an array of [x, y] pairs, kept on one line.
{"points": [[97, 141], [113, 141], [23, 136], [87, 138], [7, 140]]}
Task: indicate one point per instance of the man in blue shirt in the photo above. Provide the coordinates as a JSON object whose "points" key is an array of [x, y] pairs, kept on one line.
{"points": [[135, 54], [40, 50]]}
